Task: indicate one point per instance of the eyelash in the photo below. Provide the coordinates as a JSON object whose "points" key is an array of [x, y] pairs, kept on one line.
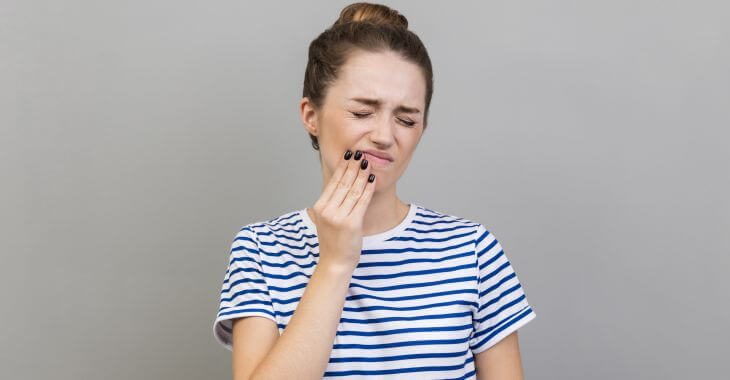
{"points": [[361, 115]]}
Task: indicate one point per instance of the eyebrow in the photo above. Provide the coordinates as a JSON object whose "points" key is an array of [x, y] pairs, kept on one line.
{"points": [[376, 103]]}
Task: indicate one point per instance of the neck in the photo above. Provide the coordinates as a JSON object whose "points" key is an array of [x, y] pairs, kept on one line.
{"points": [[384, 212]]}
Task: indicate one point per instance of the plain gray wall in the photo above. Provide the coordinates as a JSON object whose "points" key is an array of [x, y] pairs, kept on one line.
{"points": [[138, 136]]}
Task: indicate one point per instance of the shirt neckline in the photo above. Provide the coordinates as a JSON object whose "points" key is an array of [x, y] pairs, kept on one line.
{"points": [[369, 240]]}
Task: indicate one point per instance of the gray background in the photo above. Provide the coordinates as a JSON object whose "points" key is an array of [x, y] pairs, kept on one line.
{"points": [[138, 136]]}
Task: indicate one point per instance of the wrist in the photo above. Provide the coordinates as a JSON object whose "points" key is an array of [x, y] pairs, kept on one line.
{"points": [[336, 268]]}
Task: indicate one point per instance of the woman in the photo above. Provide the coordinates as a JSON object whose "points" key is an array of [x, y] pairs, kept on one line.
{"points": [[362, 284]]}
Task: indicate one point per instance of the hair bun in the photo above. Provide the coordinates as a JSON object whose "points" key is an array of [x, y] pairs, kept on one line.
{"points": [[374, 13]]}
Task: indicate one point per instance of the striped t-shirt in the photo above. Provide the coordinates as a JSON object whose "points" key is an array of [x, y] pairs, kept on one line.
{"points": [[426, 296]]}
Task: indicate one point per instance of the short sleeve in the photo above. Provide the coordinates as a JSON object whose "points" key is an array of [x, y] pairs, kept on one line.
{"points": [[244, 291], [502, 304]]}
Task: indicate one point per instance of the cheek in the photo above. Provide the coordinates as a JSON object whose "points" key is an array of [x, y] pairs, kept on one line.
{"points": [[339, 128], [349, 128]]}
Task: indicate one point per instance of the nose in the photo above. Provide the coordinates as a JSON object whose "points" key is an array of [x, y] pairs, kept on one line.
{"points": [[382, 132]]}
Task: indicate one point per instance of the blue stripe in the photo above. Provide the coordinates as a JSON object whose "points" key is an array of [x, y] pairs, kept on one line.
{"points": [[502, 327], [421, 240], [413, 285], [411, 261], [418, 318], [381, 346], [404, 331], [437, 230], [244, 304], [398, 370], [504, 307], [368, 308], [399, 357], [298, 237], [246, 311], [243, 292], [241, 281]]}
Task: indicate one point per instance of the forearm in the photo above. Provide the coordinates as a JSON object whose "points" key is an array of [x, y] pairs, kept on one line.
{"points": [[303, 349]]}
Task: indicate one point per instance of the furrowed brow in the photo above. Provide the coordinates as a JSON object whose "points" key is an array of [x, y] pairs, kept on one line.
{"points": [[376, 103]]}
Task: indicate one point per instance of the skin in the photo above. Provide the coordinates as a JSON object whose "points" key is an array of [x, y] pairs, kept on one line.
{"points": [[501, 361], [394, 81]]}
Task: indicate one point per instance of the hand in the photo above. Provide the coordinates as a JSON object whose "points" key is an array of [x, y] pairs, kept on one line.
{"points": [[340, 210]]}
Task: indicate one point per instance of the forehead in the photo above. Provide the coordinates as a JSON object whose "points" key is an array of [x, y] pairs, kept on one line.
{"points": [[384, 75]]}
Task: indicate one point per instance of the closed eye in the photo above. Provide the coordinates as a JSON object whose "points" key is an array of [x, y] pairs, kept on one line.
{"points": [[408, 123], [362, 115]]}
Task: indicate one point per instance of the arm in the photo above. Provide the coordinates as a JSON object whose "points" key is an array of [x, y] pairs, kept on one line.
{"points": [[501, 361], [303, 349]]}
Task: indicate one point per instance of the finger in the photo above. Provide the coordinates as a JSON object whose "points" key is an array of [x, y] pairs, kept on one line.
{"points": [[336, 176], [358, 211], [356, 191], [344, 184]]}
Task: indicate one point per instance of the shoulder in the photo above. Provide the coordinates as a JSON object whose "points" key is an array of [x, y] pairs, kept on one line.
{"points": [[444, 219], [269, 228]]}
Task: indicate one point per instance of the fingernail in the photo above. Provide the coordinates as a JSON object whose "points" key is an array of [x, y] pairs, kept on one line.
{"points": [[358, 154], [364, 164], [371, 178], [348, 154]]}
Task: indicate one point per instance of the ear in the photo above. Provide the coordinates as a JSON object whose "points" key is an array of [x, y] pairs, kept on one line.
{"points": [[309, 116]]}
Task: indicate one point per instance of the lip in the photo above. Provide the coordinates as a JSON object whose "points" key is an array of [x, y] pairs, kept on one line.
{"points": [[380, 155], [375, 160]]}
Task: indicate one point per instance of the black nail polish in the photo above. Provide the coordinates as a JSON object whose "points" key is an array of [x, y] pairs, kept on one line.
{"points": [[364, 164], [371, 178], [358, 154], [348, 154]]}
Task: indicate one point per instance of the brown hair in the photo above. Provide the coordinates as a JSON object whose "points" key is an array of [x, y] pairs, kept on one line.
{"points": [[370, 27]]}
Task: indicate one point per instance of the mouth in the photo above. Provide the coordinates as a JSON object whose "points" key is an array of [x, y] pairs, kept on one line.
{"points": [[377, 161]]}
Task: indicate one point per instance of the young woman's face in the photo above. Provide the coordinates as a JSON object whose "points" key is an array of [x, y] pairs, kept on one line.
{"points": [[376, 103]]}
